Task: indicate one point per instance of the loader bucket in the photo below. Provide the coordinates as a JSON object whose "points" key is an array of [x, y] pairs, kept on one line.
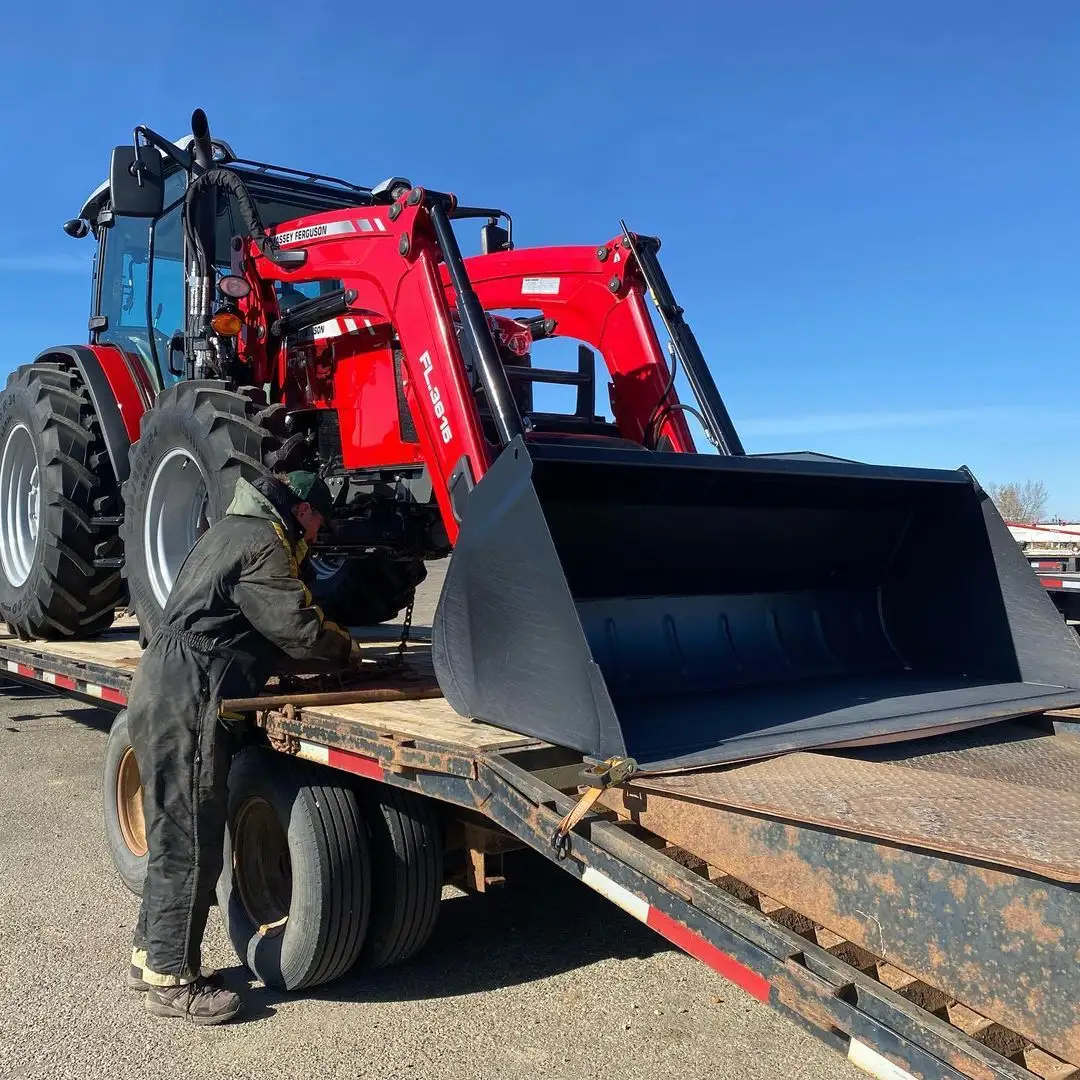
{"points": [[689, 610]]}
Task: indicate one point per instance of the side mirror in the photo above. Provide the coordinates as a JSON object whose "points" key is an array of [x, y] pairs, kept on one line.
{"points": [[494, 238], [137, 182], [177, 358]]}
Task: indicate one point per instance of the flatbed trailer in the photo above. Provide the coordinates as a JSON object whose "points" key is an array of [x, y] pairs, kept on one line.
{"points": [[916, 906], [1063, 587]]}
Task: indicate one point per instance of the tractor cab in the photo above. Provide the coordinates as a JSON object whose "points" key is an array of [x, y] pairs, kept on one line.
{"points": [[138, 298]]}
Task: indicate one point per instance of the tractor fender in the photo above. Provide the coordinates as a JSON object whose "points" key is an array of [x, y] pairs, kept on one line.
{"points": [[120, 395]]}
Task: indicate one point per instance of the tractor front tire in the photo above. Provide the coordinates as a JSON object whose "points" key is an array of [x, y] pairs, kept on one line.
{"points": [[363, 591], [199, 438], [55, 480]]}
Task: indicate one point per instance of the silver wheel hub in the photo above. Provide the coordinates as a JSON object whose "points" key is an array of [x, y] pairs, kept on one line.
{"points": [[176, 515], [20, 505], [326, 566]]}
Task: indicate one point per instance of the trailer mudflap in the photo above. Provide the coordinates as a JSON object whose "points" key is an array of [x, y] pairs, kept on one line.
{"points": [[687, 610]]}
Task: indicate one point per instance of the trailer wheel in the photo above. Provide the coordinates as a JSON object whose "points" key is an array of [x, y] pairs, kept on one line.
{"points": [[362, 591], [407, 873], [295, 890], [55, 478], [121, 790], [199, 438]]}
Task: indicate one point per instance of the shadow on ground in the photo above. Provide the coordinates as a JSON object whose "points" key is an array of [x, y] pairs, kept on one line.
{"points": [[540, 924]]}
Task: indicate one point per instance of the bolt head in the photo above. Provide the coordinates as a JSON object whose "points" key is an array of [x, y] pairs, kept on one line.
{"points": [[403, 246], [602, 254], [614, 284]]}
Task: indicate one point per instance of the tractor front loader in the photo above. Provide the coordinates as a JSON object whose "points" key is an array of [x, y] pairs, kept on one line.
{"points": [[610, 587]]}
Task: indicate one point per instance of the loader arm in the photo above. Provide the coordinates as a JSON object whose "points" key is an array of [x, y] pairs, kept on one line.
{"points": [[389, 256], [400, 266], [596, 295]]}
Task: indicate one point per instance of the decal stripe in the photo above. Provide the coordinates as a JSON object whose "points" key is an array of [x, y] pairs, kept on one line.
{"points": [[64, 682], [754, 984], [870, 1061], [315, 232], [694, 944], [311, 751], [357, 764], [624, 898]]}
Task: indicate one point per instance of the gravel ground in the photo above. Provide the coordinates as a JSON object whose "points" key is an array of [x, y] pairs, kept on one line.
{"points": [[540, 978]]}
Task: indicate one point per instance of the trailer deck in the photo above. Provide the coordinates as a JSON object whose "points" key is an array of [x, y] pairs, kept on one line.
{"points": [[877, 897]]}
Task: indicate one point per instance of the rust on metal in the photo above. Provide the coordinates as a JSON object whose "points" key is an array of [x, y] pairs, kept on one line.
{"points": [[1012, 802], [918, 993], [338, 697], [1002, 943]]}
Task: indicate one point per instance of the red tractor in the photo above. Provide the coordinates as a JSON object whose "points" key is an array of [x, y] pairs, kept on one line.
{"points": [[611, 589], [250, 317]]}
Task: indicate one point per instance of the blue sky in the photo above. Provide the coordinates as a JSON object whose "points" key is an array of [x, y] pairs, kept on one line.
{"points": [[868, 210]]}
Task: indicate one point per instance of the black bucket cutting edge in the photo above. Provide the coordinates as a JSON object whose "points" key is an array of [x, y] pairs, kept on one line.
{"points": [[691, 610]]}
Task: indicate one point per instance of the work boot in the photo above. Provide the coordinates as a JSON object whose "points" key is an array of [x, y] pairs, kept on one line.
{"points": [[201, 1002]]}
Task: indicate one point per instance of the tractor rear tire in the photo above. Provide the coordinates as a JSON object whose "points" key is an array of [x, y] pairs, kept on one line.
{"points": [[199, 438], [363, 591], [55, 479]]}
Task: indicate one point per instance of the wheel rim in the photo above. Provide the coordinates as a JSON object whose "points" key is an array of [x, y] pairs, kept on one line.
{"points": [[129, 804], [325, 567], [262, 868], [177, 508], [20, 504]]}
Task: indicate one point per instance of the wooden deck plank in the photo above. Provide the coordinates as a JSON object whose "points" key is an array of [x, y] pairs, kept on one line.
{"points": [[433, 720]]}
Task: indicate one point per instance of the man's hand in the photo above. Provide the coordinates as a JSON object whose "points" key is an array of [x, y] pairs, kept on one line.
{"points": [[356, 653]]}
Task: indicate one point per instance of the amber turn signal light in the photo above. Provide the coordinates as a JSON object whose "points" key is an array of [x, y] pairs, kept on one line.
{"points": [[226, 323]]}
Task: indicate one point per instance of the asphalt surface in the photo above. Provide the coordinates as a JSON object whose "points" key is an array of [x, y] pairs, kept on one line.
{"points": [[540, 978]]}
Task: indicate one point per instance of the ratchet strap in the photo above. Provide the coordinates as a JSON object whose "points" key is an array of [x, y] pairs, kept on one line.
{"points": [[597, 778]]}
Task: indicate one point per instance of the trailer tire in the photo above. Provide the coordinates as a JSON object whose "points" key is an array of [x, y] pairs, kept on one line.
{"points": [[363, 591], [406, 839], [296, 847], [121, 790], [205, 423], [55, 478]]}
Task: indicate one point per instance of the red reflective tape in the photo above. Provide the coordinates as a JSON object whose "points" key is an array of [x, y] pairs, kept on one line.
{"points": [[354, 763], [114, 696], [65, 682], [28, 671], [694, 944], [1051, 583]]}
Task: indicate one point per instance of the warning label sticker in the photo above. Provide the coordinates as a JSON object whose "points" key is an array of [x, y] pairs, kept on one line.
{"points": [[540, 286]]}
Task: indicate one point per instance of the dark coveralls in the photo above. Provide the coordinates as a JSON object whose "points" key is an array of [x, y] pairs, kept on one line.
{"points": [[235, 606]]}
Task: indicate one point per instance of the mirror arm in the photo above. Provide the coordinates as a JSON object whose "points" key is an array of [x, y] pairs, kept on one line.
{"points": [[170, 150]]}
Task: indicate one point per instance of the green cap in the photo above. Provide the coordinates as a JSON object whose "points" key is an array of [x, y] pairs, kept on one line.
{"points": [[309, 487]]}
